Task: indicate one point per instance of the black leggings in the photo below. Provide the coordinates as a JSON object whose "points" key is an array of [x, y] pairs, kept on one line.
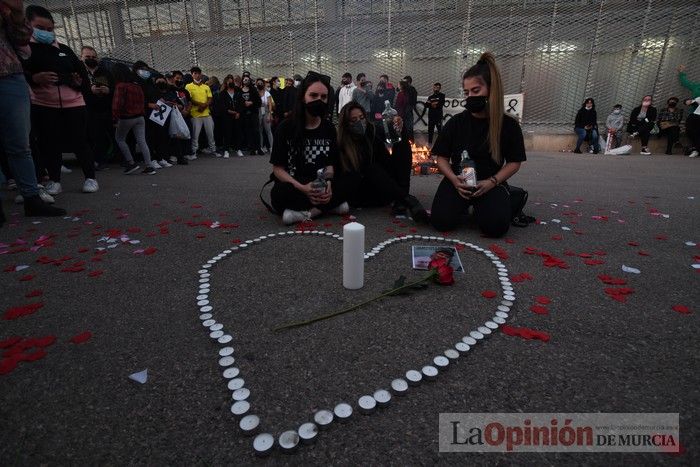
{"points": [[250, 128], [285, 196], [671, 134], [692, 129], [492, 210], [376, 186], [59, 129]]}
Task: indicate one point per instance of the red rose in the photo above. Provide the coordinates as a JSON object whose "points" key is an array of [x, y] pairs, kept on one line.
{"points": [[445, 276], [435, 263]]}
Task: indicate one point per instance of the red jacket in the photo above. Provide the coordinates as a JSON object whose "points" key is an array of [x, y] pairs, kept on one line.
{"points": [[127, 101]]}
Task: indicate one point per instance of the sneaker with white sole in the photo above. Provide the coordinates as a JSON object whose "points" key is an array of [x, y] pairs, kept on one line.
{"points": [[131, 168], [155, 165], [239, 153], [45, 197], [215, 154], [65, 170], [226, 155], [191, 157], [90, 185], [11, 184], [695, 153], [341, 209], [645, 152], [53, 188], [164, 163], [292, 217], [149, 171], [173, 160]]}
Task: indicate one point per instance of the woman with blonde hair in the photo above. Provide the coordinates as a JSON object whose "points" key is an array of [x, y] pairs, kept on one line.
{"points": [[485, 137]]}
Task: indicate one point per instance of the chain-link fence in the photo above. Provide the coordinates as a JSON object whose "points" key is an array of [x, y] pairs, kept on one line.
{"points": [[556, 52]]}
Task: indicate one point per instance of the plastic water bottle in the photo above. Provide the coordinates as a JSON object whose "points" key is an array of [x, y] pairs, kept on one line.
{"points": [[468, 173], [320, 184], [392, 137]]}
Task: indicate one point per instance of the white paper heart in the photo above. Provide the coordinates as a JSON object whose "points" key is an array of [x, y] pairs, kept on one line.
{"points": [[289, 440]]}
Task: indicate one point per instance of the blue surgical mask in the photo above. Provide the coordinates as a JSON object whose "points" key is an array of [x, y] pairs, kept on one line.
{"points": [[44, 37], [144, 74]]}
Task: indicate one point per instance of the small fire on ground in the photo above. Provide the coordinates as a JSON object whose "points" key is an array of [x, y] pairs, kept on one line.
{"points": [[423, 162]]}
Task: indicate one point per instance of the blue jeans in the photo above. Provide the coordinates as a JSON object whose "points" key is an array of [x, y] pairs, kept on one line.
{"points": [[581, 133], [14, 132]]}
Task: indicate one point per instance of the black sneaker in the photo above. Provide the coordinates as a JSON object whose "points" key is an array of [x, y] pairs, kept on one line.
{"points": [[418, 212], [398, 209], [182, 161], [34, 206], [149, 171], [577, 151], [131, 168]]}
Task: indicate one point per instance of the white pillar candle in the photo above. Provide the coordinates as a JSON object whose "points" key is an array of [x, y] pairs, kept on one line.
{"points": [[353, 256]]}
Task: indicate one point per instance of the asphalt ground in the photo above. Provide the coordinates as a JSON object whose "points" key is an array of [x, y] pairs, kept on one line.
{"points": [[77, 406]]}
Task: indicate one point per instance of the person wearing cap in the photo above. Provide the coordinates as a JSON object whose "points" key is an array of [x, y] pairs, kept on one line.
{"points": [[201, 98], [345, 91]]}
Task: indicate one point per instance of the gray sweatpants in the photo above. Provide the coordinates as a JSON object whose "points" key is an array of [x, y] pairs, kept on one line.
{"points": [[208, 124], [138, 125]]}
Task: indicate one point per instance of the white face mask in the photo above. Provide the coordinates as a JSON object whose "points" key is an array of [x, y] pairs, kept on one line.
{"points": [[297, 84], [589, 107], [617, 111]]}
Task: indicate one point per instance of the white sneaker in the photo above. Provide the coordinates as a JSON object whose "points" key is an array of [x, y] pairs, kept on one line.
{"points": [[226, 155], [191, 157], [155, 165], [173, 159], [65, 170], [695, 153], [239, 153], [53, 188], [165, 164], [341, 209], [292, 217], [215, 154], [45, 197], [90, 185]]}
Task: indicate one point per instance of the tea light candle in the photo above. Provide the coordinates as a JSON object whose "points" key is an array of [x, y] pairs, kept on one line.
{"points": [[353, 256]]}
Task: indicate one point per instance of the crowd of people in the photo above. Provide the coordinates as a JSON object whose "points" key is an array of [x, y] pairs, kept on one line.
{"points": [[330, 149], [644, 121]]}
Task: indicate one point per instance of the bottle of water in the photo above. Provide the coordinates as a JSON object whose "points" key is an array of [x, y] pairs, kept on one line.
{"points": [[468, 173], [392, 137], [320, 184]]}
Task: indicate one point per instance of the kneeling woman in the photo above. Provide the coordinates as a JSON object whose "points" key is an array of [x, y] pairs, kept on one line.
{"points": [[367, 172], [304, 143], [493, 141]]}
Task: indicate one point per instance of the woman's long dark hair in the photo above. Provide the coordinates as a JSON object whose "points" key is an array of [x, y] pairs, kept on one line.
{"points": [[347, 143], [487, 71], [588, 99], [297, 118]]}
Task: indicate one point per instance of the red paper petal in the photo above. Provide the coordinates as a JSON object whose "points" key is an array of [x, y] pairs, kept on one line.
{"points": [[488, 294], [633, 243], [681, 309], [200, 235], [82, 337], [44, 341], [542, 300], [539, 309], [26, 278], [34, 293], [7, 365], [9, 342], [96, 273], [33, 356], [19, 311], [642, 253]]}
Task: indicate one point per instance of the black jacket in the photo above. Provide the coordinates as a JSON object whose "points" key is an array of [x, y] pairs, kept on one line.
{"points": [[290, 98], [381, 95], [61, 60], [440, 99], [253, 96], [586, 117], [223, 103], [100, 103], [278, 98]]}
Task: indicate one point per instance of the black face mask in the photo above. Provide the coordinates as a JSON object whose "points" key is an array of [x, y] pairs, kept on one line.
{"points": [[672, 104], [161, 85], [317, 108], [476, 104], [232, 85], [260, 86], [91, 62], [178, 83]]}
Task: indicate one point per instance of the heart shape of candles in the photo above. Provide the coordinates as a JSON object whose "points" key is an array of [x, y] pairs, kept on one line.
{"points": [[288, 441]]}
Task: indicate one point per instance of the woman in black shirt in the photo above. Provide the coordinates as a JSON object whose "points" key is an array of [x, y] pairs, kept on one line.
{"points": [[586, 125], [367, 171], [304, 143], [642, 120], [492, 141]]}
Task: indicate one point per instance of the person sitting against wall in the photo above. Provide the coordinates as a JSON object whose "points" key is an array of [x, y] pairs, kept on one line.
{"points": [[642, 122], [670, 123], [586, 127]]}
